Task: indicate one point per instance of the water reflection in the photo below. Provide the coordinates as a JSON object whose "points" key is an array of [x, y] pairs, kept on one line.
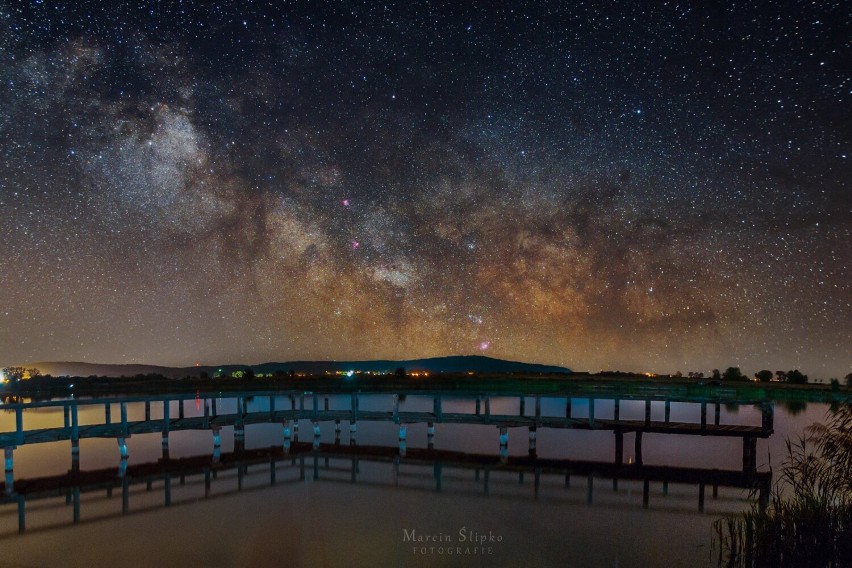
{"points": [[794, 407], [626, 453]]}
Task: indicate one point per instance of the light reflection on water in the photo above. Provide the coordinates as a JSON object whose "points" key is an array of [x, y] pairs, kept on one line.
{"points": [[308, 517]]}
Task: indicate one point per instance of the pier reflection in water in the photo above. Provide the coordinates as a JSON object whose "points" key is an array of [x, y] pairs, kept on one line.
{"points": [[521, 447]]}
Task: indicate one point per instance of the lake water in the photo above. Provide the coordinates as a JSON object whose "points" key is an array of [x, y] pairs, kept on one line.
{"points": [[373, 503]]}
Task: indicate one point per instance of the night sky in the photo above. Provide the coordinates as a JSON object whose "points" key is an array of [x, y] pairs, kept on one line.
{"points": [[642, 186]]}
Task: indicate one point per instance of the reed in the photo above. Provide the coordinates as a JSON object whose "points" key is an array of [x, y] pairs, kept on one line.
{"points": [[808, 520]]}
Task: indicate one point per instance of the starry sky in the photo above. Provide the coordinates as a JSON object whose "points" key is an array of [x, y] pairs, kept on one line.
{"points": [[639, 186]]}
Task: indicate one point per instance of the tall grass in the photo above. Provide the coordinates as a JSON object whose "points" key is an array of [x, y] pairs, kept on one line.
{"points": [[808, 520]]}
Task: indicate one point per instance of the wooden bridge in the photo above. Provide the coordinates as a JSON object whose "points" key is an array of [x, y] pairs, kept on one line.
{"points": [[317, 411], [327, 462]]}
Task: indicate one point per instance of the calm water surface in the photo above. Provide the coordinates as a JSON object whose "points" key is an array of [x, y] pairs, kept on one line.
{"points": [[314, 515]]}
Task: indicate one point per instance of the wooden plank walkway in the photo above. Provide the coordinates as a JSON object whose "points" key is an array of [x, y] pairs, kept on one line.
{"points": [[119, 429]]}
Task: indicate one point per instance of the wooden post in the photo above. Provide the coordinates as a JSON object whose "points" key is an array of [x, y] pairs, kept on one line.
{"points": [[19, 425], [767, 416], [619, 448], [638, 447], [124, 419], [75, 426], [590, 488]]}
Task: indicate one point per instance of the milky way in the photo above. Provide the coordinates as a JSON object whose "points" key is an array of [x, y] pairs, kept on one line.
{"points": [[605, 187]]}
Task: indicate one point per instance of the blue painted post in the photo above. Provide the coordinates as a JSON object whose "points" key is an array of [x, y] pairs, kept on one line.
{"points": [[10, 463], [66, 416], [107, 413], [147, 410], [430, 435], [122, 447], [591, 412], [533, 435], [206, 413], [616, 413], [477, 405], [167, 487], [165, 445], [271, 408], [402, 436], [703, 415], [166, 417], [217, 444], [522, 406], [538, 407], [668, 411], [337, 429], [439, 415], [353, 432], [568, 407], [647, 412], [180, 409], [488, 406], [287, 436], [396, 409], [316, 406]]}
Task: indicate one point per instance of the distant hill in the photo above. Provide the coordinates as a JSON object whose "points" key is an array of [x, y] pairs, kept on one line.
{"points": [[452, 364]]}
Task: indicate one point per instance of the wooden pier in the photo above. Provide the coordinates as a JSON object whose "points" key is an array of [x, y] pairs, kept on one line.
{"points": [[315, 407], [341, 463]]}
